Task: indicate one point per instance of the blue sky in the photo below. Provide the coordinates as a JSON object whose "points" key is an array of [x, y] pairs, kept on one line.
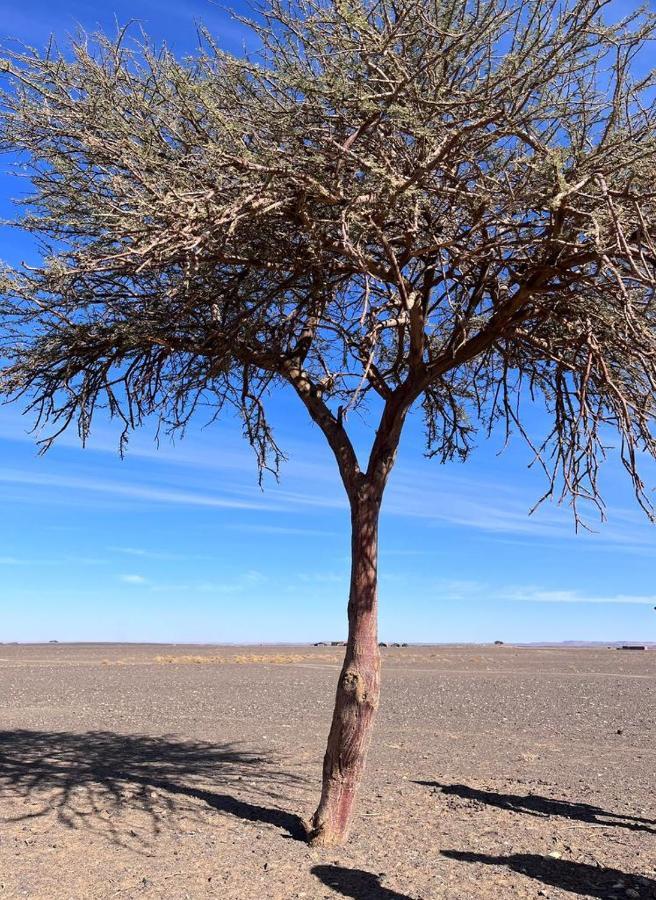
{"points": [[178, 543]]}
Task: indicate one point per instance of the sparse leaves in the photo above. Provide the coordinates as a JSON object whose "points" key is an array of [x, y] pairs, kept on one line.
{"points": [[438, 202]]}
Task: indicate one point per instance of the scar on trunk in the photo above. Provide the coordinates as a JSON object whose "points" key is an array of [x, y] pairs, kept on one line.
{"points": [[353, 684]]}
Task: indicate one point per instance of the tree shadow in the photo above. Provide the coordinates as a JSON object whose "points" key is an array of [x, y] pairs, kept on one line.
{"points": [[94, 779], [578, 878], [355, 883], [535, 805]]}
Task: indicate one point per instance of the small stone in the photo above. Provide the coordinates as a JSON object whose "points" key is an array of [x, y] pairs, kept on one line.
{"points": [[555, 854], [620, 731]]}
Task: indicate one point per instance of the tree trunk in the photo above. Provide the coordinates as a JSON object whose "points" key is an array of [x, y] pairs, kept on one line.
{"points": [[358, 688]]}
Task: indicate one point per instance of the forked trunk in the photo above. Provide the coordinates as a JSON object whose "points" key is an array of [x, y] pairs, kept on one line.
{"points": [[358, 689]]}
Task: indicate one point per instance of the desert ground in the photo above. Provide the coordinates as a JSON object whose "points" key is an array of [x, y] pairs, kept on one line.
{"points": [[185, 772]]}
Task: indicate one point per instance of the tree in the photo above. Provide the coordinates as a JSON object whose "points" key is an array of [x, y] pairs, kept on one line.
{"points": [[439, 204]]}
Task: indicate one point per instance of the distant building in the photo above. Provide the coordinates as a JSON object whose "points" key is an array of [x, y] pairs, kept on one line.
{"points": [[633, 647]]}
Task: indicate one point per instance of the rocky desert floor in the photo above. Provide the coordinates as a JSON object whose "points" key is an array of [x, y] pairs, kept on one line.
{"points": [[185, 772]]}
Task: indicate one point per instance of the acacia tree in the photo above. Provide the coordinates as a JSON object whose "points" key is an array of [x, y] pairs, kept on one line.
{"points": [[394, 203]]}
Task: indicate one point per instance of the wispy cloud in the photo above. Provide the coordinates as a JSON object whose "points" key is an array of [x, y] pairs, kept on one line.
{"points": [[225, 451], [471, 502], [535, 595], [323, 577], [246, 581], [441, 496], [286, 529], [474, 590], [501, 509], [133, 579], [64, 560], [132, 491], [161, 556]]}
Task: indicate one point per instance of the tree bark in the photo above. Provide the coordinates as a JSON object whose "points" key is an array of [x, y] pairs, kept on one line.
{"points": [[358, 689]]}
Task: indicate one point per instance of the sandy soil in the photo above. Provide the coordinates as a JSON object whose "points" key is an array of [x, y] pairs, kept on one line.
{"points": [[183, 772]]}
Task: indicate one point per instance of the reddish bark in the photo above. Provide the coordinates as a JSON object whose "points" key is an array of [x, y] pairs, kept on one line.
{"points": [[358, 689]]}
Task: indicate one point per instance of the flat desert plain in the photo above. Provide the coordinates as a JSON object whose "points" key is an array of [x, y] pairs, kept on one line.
{"points": [[185, 772]]}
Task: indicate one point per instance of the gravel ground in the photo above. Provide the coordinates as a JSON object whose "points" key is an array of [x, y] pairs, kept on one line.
{"points": [[184, 772]]}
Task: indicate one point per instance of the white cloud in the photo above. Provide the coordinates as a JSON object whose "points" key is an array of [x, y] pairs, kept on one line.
{"points": [[285, 529], [535, 595], [253, 577], [142, 553], [130, 551], [441, 496], [323, 577], [60, 561], [132, 491], [134, 579], [235, 585], [473, 590]]}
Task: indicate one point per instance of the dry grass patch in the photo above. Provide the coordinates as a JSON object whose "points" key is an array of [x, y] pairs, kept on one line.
{"points": [[247, 659]]}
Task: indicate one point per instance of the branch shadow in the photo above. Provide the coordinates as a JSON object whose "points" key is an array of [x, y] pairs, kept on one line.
{"points": [[355, 883], [535, 805], [93, 779], [578, 878]]}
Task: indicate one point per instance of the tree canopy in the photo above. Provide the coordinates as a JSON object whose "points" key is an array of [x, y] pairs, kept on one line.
{"points": [[436, 200]]}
